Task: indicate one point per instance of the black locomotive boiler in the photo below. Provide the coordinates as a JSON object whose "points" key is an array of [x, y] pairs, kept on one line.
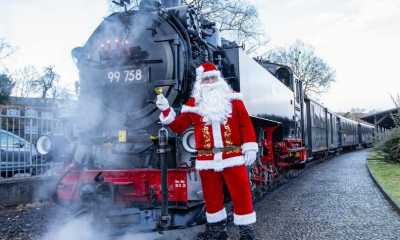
{"points": [[124, 165]]}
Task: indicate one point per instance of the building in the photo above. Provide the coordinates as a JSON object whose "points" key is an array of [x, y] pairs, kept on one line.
{"points": [[30, 118], [383, 119]]}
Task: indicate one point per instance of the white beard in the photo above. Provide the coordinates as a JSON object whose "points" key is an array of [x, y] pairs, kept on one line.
{"points": [[214, 101]]}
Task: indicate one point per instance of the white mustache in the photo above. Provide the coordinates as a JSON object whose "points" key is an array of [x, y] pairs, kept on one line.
{"points": [[211, 86]]}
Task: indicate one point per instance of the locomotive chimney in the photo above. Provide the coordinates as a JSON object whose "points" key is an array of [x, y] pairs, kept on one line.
{"points": [[171, 3], [150, 5]]}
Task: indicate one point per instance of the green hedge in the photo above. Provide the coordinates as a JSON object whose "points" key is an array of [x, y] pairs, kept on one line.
{"points": [[390, 146]]}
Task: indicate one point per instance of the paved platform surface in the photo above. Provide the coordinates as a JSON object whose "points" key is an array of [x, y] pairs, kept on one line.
{"points": [[335, 199]]}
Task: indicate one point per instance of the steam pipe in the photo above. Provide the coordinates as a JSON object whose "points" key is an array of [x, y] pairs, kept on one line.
{"points": [[156, 3], [171, 3], [162, 152]]}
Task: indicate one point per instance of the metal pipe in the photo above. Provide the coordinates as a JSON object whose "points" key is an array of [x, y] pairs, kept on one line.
{"points": [[162, 151], [171, 3]]}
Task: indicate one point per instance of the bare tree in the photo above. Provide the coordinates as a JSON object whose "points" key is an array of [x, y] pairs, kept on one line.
{"points": [[24, 79], [6, 49], [6, 82], [63, 93], [396, 116], [315, 73], [237, 20], [47, 81], [6, 86]]}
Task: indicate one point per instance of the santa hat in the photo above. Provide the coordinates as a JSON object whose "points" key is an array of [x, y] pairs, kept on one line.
{"points": [[207, 70]]}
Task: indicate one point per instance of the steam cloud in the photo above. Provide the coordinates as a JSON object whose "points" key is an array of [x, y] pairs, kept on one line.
{"points": [[80, 228], [90, 114]]}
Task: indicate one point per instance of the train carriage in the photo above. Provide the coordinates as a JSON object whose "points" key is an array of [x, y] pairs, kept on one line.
{"points": [[317, 127], [333, 135], [348, 133], [365, 134]]}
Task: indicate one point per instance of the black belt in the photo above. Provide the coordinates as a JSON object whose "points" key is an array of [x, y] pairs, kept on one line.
{"points": [[218, 150]]}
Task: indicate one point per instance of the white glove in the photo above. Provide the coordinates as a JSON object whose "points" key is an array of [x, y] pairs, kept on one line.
{"points": [[162, 102], [250, 157]]}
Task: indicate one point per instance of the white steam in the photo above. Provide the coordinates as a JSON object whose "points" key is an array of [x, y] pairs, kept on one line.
{"points": [[83, 229], [79, 229], [91, 114]]}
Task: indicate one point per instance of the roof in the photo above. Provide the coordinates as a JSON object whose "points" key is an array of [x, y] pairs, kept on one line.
{"points": [[31, 102], [382, 119], [393, 110]]}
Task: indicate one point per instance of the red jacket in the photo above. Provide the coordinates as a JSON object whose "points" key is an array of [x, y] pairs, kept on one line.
{"points": [[237, 130]]}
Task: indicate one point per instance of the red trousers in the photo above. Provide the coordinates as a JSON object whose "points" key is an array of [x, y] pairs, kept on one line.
{"points": [[237, 181]]}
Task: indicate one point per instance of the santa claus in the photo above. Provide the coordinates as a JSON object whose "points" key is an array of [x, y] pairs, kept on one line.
{"points": [[225, 142]]}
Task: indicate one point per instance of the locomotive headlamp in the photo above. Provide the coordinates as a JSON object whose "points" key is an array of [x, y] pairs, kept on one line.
{"points": [[43, 145], [188, 141]]}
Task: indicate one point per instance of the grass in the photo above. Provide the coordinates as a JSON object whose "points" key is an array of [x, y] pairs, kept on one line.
{"points": [[387, 174]]}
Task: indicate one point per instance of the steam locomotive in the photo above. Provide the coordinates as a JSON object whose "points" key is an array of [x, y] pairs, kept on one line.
{"points": [[126, 164]]}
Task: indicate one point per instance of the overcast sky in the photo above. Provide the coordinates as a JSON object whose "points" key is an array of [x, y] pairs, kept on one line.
{"points": [[358, 38]]}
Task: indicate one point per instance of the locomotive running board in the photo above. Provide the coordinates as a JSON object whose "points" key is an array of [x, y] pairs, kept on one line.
{"points": [[264, 121]]}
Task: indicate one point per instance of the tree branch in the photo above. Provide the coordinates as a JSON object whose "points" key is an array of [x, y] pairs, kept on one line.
{"points": [[312, 70]]}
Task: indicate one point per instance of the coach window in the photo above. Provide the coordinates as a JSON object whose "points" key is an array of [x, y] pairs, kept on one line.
{"points": [[285, 76]]}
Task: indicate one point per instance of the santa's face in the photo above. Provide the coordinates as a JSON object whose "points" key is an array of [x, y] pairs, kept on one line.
{"points": [[209, 80]]}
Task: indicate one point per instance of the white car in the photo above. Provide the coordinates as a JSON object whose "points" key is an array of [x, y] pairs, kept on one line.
{"points": [[17, 154]]}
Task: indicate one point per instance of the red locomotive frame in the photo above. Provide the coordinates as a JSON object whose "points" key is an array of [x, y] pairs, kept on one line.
{"points": [[143, 186]]}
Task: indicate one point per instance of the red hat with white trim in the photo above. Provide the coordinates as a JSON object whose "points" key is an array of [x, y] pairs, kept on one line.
{"points": [[206, 70]]}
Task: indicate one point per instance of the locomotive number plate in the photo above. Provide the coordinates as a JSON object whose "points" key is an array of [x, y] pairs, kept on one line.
{"points": [[138, 75]]}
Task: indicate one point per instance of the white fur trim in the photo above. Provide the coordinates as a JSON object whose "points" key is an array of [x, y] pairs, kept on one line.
{"points": [[237, 95], [244, 219], [253, 146], [213, 73], [199, 71], [216, 131], [186, 108], [216, 217], [219, 164], [168, 119]]}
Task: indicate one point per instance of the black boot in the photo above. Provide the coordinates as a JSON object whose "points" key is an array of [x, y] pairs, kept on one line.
{"points": [[214, 231], [247, 232]]}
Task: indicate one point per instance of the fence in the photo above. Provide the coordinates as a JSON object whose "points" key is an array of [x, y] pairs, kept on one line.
{"points": [[20, 129]]}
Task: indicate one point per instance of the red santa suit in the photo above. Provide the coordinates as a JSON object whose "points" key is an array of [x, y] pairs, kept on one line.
{"points": [[220, 146]]}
